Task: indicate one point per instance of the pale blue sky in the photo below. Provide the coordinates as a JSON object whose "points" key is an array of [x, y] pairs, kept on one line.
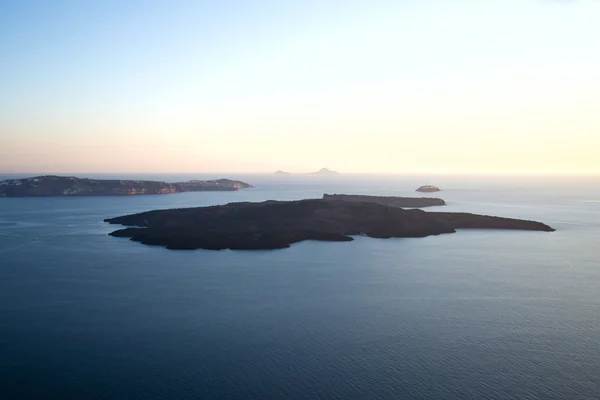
{"points": [[359, 86]]}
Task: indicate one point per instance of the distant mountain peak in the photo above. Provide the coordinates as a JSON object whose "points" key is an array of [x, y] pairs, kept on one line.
{"points": [[325, 171], [322, 171]]}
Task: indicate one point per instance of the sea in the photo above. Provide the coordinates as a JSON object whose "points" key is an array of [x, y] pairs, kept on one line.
{"points": [[479, 314]]}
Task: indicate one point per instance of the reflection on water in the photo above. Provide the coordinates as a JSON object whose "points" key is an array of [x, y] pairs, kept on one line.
{"points": [[477, 314]]}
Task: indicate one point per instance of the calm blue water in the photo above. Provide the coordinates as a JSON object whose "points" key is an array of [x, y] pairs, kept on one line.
{"points": [[474, 315]]}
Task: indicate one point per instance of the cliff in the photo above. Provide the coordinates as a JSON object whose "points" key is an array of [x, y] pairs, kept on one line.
{"points": [[278, 224], [50, 185]]}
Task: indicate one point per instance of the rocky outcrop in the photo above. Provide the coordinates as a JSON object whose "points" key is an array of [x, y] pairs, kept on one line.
{"points": [[51, 185], [278, 224], [428, 189], [390, 201]]}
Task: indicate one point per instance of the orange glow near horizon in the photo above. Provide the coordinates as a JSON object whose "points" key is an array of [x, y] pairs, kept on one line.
{"points": [[394, 88]]}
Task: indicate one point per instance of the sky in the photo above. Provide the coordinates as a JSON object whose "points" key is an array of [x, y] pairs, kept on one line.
{"points": [[433, 86]]}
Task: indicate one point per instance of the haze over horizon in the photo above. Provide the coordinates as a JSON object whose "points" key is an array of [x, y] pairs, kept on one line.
{"points": [[259, 86]]}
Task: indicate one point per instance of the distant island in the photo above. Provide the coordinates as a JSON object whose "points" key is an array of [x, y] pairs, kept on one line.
{"points": [[325, 171], [322, 171], [52, 185], [391, 201], [428, 189], [278, 224]]}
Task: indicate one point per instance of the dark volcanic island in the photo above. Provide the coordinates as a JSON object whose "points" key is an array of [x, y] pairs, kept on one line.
{"points": [[51, 185], [278, 224]]}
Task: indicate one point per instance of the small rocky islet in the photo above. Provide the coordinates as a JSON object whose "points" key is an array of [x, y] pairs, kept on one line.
{"points": [[428, 189], [278, 224]]}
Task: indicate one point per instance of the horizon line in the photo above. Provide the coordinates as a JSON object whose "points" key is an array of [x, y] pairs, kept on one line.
{"points": [[444, 173]]}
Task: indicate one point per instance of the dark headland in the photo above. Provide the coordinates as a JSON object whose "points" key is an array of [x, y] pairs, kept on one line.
{"points": [[278, 224], [392, 201], [51, 185]]}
